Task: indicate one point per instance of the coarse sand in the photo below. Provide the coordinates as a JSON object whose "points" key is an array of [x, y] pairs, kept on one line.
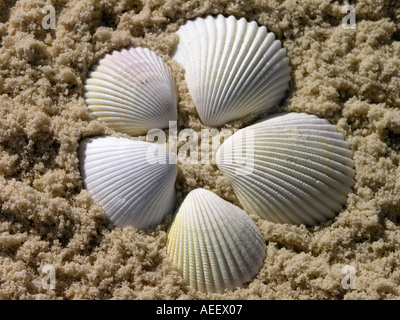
{"points": [[349, 76]]}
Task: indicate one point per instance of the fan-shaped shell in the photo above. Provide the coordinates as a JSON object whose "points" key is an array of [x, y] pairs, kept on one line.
{"points": [[133, 91], [214, 243], [134, 181], [233, 67], [289, 168]]}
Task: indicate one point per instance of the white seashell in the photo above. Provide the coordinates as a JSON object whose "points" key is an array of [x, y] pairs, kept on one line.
{"points": [[289, 168], [133, 91], [133, 181], [233, 67], [215, 244]]}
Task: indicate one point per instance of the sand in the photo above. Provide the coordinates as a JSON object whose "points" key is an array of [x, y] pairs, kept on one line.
{"points": [[349, 76]]}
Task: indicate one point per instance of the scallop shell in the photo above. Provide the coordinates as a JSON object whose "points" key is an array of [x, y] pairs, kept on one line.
{"points": [[233, 67], [134, 181], [214, 243], [289, 168], [133, 91]]}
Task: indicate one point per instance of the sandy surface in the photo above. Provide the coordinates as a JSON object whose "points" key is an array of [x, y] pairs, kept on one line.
{"points": [[350, 77]]}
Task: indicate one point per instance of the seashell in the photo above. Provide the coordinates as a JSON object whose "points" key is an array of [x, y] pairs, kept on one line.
{"points": [[233, 67], [289, 168], [134, 181], [215, 244], [133, 91]]}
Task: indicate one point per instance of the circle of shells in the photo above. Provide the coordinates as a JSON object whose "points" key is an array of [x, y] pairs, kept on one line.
{"points": [[286, 168]]}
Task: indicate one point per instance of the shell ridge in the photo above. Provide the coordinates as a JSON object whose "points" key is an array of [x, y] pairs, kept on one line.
{"points": [[135, 82], [235, 61], [241, 256], [140, 56], [249, 252], [248, 70], [256, 95], [299, 162], [139, 202], [216, 261], [224, 66], [231, 59], [159, 200], [275, 92], [217, 258], [102, 105], [105, 88], [280, 182], [118, 185], [204, 49], [283, 211], [253, 68], [307, 173], [202, 257], [196, 91], [301, 198], [320, 152], [227, 264], [214, 54], [344, 171]]}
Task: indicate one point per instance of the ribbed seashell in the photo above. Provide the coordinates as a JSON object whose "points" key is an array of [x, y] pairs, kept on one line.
{"points": [[134, 181], [233, 67], [215, 244], [289, 168], [132, 91]]}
